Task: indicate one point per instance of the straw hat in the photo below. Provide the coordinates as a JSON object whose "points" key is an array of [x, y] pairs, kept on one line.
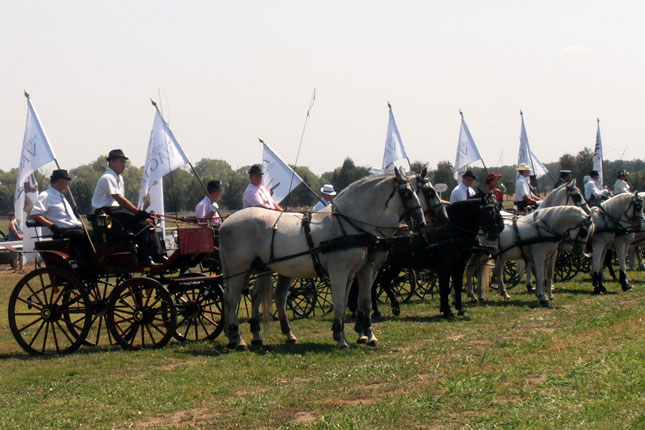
{"points": [[523, 166]]}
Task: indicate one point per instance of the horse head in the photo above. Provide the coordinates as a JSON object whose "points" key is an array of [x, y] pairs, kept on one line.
{"points": [[636, 205], [492, 221], [579, 236], [574, 193], [412, 212], [434, 209]]}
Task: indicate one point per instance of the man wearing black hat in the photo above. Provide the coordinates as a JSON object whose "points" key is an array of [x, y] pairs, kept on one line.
{"points": [[52, 210], [109, 197], [256, 194], [621, 185], [464, 191], [207, 210], [565, 177]]}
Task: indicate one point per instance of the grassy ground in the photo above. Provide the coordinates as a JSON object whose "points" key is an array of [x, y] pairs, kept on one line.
{"points": [[508, 365]]}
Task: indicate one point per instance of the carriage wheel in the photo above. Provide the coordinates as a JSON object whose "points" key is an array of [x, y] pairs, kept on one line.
{"points": [[426, 282], [49, 312], [584, 264], [403, 286], [141, 314], [511, 276], [565, 267], [199, 311], [302, 297], [324, 299], [99, 291]]}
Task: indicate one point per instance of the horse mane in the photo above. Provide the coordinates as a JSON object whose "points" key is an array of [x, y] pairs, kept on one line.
{"points": [[551, 196], [370, 181], [565, 212]]}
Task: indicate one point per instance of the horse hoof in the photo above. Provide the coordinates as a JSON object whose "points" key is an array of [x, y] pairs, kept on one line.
{"points": [[506, 296], [242, 347], [597, 291], [530, 289], [373, 343], [448, 316], [462, 313], [396, 311], [292, 340], [343, 345], [626, 287], [545, 304], [231, 345], [361, 340], [257, 342], [377, 315]]}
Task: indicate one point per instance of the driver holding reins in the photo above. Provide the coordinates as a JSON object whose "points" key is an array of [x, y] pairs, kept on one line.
{"points": [[256, 194]]}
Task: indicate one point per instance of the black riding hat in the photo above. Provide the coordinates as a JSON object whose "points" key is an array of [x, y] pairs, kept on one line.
{"points": [[256, 169], [59, 174], [469, 174], [214, 186], [116, 153]]}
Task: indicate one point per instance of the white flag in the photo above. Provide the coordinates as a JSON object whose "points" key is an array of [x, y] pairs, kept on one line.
{"points": [[36, 152], [394, 149], [467, 151], [278, 175], [165, 154], [597, 155], [526, 155]]}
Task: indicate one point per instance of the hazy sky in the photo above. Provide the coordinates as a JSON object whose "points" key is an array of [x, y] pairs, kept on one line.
{"points": [[231, 71]]}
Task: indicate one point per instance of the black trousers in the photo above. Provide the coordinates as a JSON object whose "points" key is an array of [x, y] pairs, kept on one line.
{"points": [[145, 237], [80, 244]]}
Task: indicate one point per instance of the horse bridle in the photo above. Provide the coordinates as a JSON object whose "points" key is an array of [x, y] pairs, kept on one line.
{"points": [[576, 197], [406, 193], [429, 194], [633, 220]]}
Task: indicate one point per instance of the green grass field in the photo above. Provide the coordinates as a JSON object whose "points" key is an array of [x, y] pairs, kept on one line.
{"points": [[508, 365]]}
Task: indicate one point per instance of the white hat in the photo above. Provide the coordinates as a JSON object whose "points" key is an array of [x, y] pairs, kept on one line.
{"points": [[328, 189], [523, 166], [586, 178]]}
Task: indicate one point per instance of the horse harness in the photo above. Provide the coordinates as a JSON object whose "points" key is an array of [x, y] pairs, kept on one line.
{"points": [[617, 228]]}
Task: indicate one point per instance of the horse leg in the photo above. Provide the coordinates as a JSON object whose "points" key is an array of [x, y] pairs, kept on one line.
{"points": [[539, 264], [529, 276], [261, 294], [444, 293], [281, 293], [621, 251], [472, 269], [499, 274], [596, 268], [352, 298], [363, 320], [457, 285], [609, 255], [550, 270], [339, 292], [232, 293]]}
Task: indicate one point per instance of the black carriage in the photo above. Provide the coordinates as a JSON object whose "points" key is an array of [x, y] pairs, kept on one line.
{"points": [[66, 304]]}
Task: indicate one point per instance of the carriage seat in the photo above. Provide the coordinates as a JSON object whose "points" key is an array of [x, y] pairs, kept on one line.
{"points": [[52, 245]]}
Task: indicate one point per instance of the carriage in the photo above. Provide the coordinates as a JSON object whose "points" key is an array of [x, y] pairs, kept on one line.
{"points": [[65, 304]]}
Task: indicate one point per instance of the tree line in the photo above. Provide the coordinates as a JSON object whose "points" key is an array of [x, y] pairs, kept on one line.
{"points": [[182, 190]]}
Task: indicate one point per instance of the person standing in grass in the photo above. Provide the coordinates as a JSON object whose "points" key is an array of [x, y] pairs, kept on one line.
{"points": [[15, 234]]}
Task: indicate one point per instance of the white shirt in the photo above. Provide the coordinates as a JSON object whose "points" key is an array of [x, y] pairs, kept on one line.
{"points": [[53, 205], [110, 183], [257, 196], [592, 188], [204, 207], [461, 192], [621, 187], [522, 188], [322, 204]]}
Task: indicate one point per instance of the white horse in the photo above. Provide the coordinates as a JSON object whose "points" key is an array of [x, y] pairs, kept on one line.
{"points": [[616, 220], [536, 236], [565, 195], [260, 239]]}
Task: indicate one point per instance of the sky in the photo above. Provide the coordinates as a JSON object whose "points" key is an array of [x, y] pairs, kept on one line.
{"points": [[228, 72]]}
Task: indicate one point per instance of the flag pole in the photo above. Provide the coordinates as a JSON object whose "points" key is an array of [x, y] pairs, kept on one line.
{"points": [[302, 135], [71, 196], [154, 103]]}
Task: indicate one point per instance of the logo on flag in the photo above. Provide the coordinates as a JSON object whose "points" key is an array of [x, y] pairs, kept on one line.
{"points": [[394, 149], [467, 151], [527, 156], [278, 177]]}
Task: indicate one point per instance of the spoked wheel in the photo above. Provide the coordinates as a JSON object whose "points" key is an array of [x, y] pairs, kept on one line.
{"points": [[49, 312], [584, 264], [565, 267], [511, 276], [402, 286], [199, 311], [99, 291], [323, 296], [302, 297], [426, 283], [141, 314]]}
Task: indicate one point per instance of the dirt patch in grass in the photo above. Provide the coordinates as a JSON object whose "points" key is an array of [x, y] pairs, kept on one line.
{"points": [[198, 417], [303, 417]]}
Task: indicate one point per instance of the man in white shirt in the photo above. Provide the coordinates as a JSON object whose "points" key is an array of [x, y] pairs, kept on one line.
{"points": [[621, 185], [109, 197], [594, 193], [207, 210], [256, 194], [328, 194], [464, 191], [52, 210], [523, 195]]}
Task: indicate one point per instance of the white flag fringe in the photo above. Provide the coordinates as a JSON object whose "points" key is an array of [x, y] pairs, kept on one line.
{"points": [[597, 156], [36, 152], [467, 151], [394, 149], [165, 154], [277, 175], [526, 155]]}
